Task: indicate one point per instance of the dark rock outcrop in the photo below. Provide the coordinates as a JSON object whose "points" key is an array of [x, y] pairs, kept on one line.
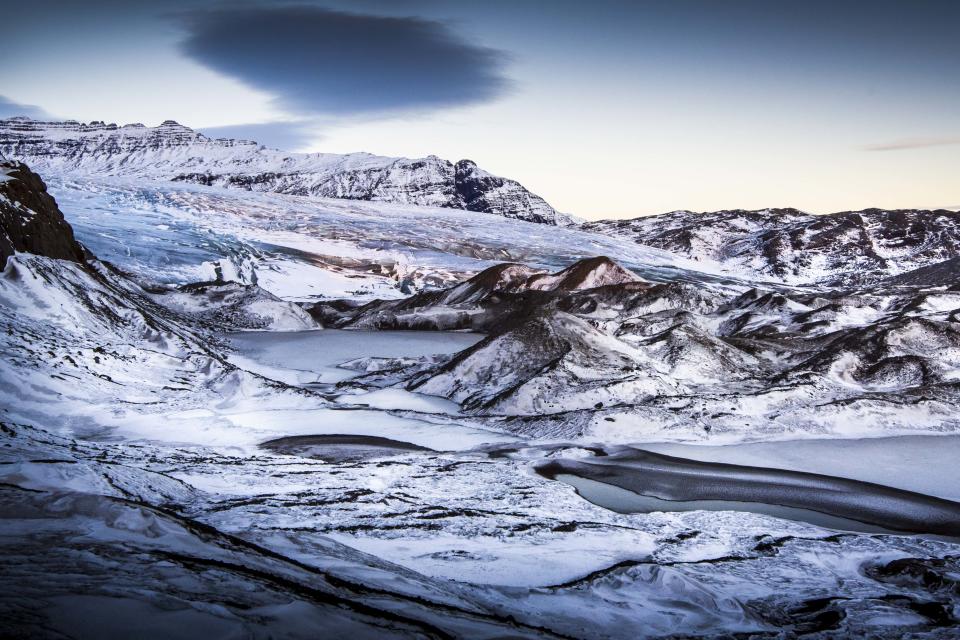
{"points": [[30, 221], [485, 301]]}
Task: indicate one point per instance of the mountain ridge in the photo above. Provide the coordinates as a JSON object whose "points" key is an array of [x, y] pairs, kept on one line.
{"points": [[172, 151], [846, 248]]}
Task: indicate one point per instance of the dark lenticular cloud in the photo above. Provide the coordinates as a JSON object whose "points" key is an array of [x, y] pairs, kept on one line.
{"points": [[320, 61]]}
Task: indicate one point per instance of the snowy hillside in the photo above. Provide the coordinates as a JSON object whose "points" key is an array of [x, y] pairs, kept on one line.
{"points": [[847, 248], [172, 151], [627, 360]]}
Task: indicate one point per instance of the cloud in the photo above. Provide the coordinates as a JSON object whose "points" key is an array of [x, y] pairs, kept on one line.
{"points": [[288, 135], [9, 109], [319, 61], [913, 143]]}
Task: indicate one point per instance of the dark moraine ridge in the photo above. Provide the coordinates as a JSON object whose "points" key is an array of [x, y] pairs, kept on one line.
{"points": [[340, 448], [679, 479]]}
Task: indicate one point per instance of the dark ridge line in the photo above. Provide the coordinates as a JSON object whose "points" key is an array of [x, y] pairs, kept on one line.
{"points": [[211, 533], [288, 585]]}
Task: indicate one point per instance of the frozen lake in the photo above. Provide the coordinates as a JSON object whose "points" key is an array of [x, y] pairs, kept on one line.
{"points": [[925, 464], [765, 481], [310, 359], [620, 500], [304, 357]]}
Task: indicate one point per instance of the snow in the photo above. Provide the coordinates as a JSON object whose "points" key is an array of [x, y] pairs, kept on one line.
{"points": [[134, 480], [306, 248], [314, 356], [433, 534], [400, 399], [233, 306], [509, 563], [789, 247], [251, 427], [174, 152]]}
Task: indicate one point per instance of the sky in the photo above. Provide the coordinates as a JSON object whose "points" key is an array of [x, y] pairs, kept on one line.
{"points": [[608, 109]]}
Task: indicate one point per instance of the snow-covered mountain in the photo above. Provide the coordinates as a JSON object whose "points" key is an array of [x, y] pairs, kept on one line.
{"points": [[172, 151], [787, 245], [480, 303], [127, 547], [619, 358]]}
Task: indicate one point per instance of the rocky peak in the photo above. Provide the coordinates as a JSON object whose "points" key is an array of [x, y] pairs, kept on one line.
{"points": [[466, 167], [482, 191], [586, 274]]}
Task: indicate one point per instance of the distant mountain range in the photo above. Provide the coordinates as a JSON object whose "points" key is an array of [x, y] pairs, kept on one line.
{"points": [[172, 151], [839, 249]]}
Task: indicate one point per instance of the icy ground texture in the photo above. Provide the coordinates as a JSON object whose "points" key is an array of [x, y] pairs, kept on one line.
{"points": [[175, 522], [164, 539], [172, 151], [847, 248], [166, 518]]}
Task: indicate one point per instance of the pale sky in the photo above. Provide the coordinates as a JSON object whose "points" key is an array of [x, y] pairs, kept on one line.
{"points": [[607, 109]]}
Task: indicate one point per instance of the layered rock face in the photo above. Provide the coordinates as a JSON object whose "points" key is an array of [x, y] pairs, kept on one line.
{"points": [[172, 151], [30, 221], [480, 191], [846, 248]]}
